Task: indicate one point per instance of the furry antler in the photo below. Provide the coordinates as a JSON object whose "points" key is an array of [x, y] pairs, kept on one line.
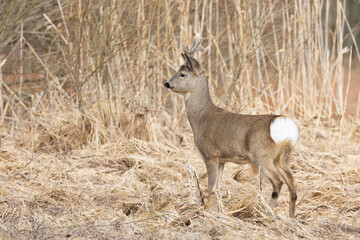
{"points": [[196, 46]]}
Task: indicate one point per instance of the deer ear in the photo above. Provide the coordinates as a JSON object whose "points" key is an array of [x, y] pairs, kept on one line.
{"points": [[188, 61], [194, 65], [183, 56]]}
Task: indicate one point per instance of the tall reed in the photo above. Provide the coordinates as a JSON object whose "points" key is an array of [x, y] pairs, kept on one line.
{"points": [[263, 57]]}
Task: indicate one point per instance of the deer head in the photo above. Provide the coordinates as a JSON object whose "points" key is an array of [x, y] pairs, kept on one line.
{"points": [[190, 74]]}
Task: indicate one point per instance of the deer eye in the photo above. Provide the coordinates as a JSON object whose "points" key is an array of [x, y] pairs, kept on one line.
{"points": [[182, 75]]}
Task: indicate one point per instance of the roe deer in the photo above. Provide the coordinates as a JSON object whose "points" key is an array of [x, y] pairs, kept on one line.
{"points": [[221, 136]]}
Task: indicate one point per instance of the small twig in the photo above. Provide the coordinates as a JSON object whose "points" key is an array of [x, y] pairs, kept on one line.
{"points": [[123, 223], [22, 175], [259, 179], [18, 173], [199, 192]]}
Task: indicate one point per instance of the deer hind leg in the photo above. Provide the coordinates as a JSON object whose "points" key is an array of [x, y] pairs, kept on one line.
{"points": [[272, 174], [277, 184], [280, 163], [212, 167]]}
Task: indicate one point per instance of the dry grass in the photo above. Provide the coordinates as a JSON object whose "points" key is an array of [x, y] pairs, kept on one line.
{"points": [[135, 189], [95, 147]]}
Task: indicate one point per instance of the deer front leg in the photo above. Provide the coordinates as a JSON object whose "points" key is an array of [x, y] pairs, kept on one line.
{"points": [[220, 174], [212, 167], [218, 184]]}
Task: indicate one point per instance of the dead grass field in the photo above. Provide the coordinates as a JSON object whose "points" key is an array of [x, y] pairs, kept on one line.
{"points": [[93, 146], [131, 189]]}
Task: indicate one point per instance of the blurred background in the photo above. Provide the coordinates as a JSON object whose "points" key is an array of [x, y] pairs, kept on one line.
{"points": [[107, 59]]}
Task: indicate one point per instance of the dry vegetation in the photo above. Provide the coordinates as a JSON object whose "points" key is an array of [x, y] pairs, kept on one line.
{"points": [[93, 145]]}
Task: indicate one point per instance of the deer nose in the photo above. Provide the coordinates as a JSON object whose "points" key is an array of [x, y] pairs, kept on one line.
{"points": [[167, 85]]}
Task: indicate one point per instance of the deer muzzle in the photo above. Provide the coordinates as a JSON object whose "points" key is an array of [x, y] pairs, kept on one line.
{"points": [[167, 85]]}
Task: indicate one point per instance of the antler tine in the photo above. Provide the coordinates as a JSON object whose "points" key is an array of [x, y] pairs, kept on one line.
{"points": [[186, 49], [196, 46]]}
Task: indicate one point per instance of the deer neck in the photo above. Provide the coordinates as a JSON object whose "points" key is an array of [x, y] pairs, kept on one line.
{"points": [[198, 102]]}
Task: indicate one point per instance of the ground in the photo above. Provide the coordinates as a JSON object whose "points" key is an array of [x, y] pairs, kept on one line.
{"points": [[130, 189]]}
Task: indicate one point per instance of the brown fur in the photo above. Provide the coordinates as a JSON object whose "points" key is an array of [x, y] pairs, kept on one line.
{"points": [[222, 136]]}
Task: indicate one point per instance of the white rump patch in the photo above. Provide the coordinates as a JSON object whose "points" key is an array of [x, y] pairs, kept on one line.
{"points": [[282, 129]]}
